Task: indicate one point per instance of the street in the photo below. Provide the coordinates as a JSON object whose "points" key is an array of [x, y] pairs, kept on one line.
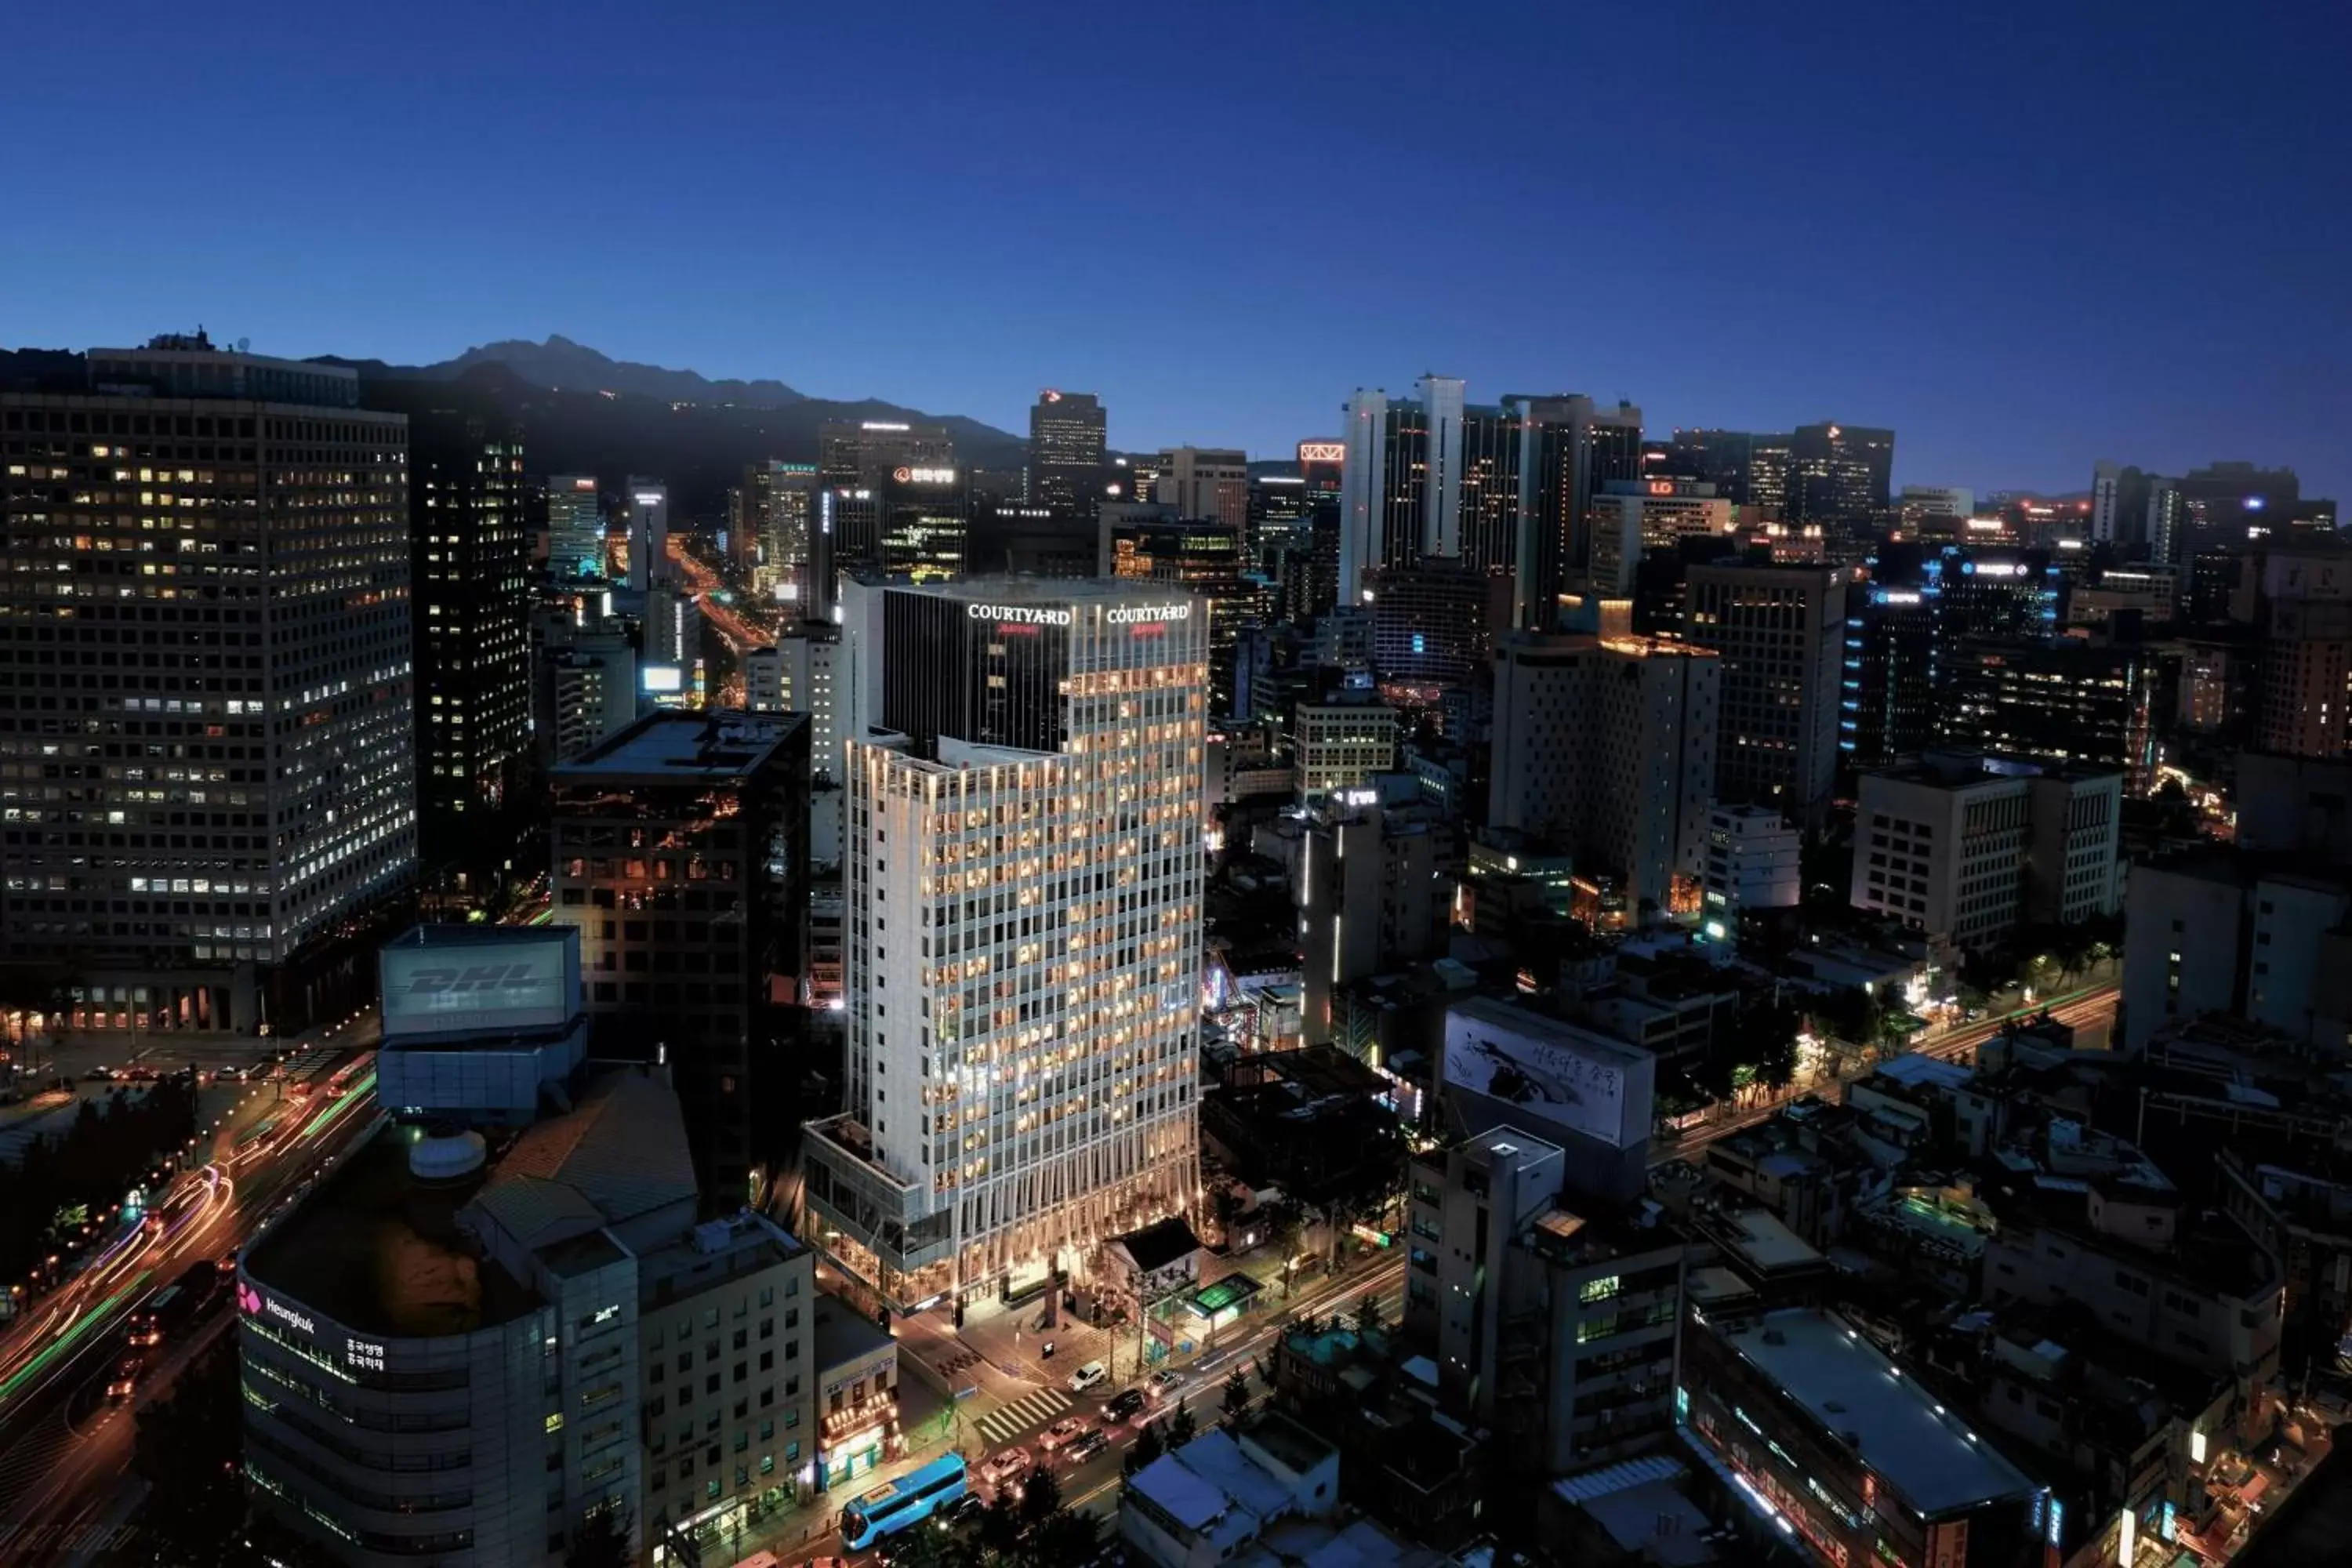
{"points": [[2090, 1006], [1010, 1411], [65, 1450]]}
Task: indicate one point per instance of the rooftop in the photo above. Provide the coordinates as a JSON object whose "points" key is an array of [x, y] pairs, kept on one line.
{"points": [[1157, 1245], [1642, 1505], [844, 1335], [380, 1251], [1762, 1241], [672, 745], [1891, 1424]]}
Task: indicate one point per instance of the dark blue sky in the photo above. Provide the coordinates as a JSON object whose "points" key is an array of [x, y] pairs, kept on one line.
{"points": [[2025, 235]]}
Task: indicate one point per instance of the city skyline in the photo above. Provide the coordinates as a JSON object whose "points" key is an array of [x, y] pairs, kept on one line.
{"points": [[1989, 283]]}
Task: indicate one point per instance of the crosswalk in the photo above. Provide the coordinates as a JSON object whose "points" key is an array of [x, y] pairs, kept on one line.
{"points": [[1025, 1413]]}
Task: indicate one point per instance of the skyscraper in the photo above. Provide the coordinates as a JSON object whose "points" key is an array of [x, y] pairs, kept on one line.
{"points": [[469, 580], [269, 673], [894, 502], [1569, 449], [576, 527], [1500, 489], [1780, 631], [647, 501], [1718, 457], [1068, 456], [1607, 747], [1203, 482], [780, 498], [680, 851], [1203, 559], [1023, 969], [1840, 476]]}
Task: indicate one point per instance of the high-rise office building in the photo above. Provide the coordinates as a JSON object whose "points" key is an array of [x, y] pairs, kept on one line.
{"points": [[1606, 745], [1435, 621], [1780, 631], [2055, 702], [1023, 969], [1771, 462], [584, 689], [1894, 653], [1840, 476], [647, 504], [780, 503], [1205, 560], [268, 672], [1627, 517], [576, 527], [1995, 592], [680, 850], [1717, 457], [470, 588], [1934, 508], [1067, 469], [866, 451], [1964, 847], [1205, 483], [807, 672], [894, 502], [1571, 448], [2233, 502], [671, 670], [1498, 487], [2304, 600]]}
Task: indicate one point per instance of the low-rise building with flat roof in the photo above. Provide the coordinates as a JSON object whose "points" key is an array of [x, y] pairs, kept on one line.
{"points": [[1816, 1427]]}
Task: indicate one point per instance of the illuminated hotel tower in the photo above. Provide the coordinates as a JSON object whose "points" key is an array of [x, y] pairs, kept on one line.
{"points": [[1023, 961]]}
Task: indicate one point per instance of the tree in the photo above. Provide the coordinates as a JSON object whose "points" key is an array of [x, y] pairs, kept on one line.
{"points": [[1368, 1314], [1064, 1536], [1182, 1426], [187, 1447], [1148, 1445], [1225, 1205], [1771, 1035], [600, 1542], [1237, 1394], [1041, 1496], [926, 1547], [1283, 1222]]}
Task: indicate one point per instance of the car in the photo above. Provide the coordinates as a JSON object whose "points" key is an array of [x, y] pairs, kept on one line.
{"points": [[229, 1072], [124, 1382], [964, 1510], [1089, 1446], [1166, 1383], [1091, 1375], [99, 1075], [1063, 1433], [1005, 1465], [1124, 1404]]}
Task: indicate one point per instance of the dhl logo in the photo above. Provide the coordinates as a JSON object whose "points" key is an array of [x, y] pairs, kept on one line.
{"points": [[480, 980]]}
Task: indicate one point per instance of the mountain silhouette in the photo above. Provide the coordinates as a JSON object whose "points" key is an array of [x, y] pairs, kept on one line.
{"points": [[583, 412], [566, 366]]}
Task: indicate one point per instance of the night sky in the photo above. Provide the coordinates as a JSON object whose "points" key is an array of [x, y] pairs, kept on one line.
{"points": [[2026, 235]]}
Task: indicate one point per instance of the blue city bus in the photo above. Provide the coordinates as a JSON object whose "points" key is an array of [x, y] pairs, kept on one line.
{"points": [[894, 1505]]}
